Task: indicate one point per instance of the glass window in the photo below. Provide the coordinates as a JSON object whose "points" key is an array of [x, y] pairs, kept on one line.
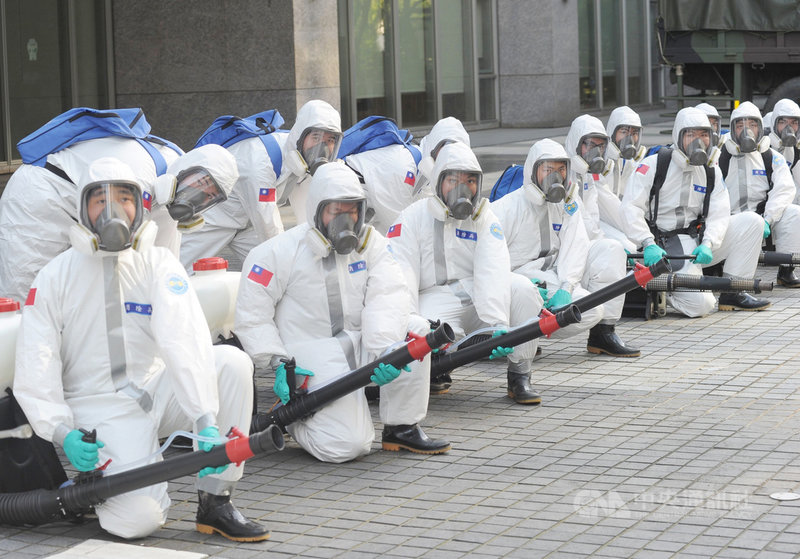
{"points": [[56, 59], [455, 59], [484, 46], [587, 54], [638, 66], [611, 50], [37, 55], [373, 70], [415, 62]]}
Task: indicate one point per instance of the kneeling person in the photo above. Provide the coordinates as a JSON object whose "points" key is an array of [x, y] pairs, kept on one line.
{"points": [[330, 294]]}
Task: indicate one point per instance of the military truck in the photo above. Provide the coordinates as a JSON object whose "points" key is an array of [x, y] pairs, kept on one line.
{"points": [[731, 50]]}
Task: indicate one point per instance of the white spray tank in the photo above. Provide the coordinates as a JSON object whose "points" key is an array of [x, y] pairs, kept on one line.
{"points": [[9, 325], [216, 288]]}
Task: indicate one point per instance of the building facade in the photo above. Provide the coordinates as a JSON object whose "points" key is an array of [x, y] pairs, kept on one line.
{"points": [[510, 63]]}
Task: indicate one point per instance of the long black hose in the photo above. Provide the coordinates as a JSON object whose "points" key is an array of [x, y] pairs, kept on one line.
{"points": [[306, 404], [47, 505], [688, 282], [564, 316]]}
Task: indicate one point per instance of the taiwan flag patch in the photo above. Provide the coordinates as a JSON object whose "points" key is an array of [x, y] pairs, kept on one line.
{"points": [[410, 178], [266, 194], [31, 297], [394, 230], [147, 200], [642, 168], [260, 275]]}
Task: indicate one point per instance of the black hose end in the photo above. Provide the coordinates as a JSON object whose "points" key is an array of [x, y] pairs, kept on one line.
{"points": [[663, 266], [268, 439], [442, 335], [570, 314]]}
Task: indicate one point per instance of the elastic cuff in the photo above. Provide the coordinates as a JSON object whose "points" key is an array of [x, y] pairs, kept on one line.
{"points": [[567, 286], [647, 242], [206, 420], [214, 485], [60, 433], [275, 361]]}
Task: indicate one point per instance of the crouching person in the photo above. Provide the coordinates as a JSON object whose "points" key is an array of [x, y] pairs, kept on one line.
{"points": [[329, 294], [113, 339]]}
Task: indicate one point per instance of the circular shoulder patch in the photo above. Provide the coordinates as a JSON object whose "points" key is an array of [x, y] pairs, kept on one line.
{"points": [[496, 230], [177, 284]]}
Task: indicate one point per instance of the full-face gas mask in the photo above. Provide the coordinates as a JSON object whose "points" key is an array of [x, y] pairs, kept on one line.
{"points": [[459, 190], [628, 142], [318, 146], [112, 210], [554, 182], [699, 143], [592, 148], [344, 218], [715, 129], [747, 133], [195, 191], [786, 128]]}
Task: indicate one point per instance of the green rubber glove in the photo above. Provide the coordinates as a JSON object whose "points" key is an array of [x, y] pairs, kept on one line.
{"points": [[559, 299], [767, 230], [385, 373], [630, 260], [702, 254], [542, 290], [281, 386], [81, 454], [501, 351], [652, 254], [212, 433]]}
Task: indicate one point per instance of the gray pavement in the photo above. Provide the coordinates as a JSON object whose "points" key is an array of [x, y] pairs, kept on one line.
{"points": [[673, 454]]}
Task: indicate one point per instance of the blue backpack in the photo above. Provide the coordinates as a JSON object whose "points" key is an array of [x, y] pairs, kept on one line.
{"points": [[83, 123], [511, 179], [228, 130], [375, 132]]}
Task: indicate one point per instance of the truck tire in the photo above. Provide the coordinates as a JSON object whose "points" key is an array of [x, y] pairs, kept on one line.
{"points": [[790, 89]]}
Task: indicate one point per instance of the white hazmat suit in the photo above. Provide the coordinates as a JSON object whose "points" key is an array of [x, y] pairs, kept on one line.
{"points": [[116, 341], [459, 270], [748, 186], [333, 313], [548, 241], [735, 239]]}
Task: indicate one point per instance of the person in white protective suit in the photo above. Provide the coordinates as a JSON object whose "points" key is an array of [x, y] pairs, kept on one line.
{"points": [[784, 137], [624, 151], [679, 222], [250, 215], [112, 339], [753, 188], [453, 252], [194, 183], [716, 126], [329, 294], [38, 205], [547, 242], [445, 131], [586, 144], [389, 176]]}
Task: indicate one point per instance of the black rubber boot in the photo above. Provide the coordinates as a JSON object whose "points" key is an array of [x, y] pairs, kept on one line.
{"points": [[216, 513], [519, 389], [787, 277], [413, 439], [742, 301], [603, 339]]}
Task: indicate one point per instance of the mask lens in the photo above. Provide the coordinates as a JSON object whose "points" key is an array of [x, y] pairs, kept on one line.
{"points": [[197, 191], [318, 146], [459, 190], [112, 211]]}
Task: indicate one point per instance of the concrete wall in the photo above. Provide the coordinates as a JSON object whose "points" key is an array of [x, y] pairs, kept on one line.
{"points": [[185, 63], [538, 52]]}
